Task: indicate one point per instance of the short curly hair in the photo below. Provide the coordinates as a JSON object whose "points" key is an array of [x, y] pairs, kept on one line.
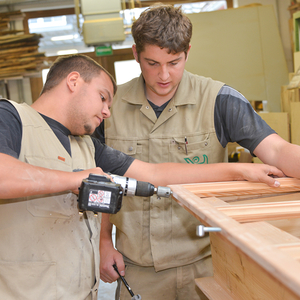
{"points": [[164, 26]]}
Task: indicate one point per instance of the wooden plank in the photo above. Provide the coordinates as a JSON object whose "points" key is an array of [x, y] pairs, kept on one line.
{"points": [[9, 38], [17, 50], [238, 188], [272, 236], [291, 226], [212, 289], [262, 198], [216, 202], [263, 211], [291, 249], [242, 276]]}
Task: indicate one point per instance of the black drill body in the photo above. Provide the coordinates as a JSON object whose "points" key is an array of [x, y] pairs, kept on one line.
{"points": [[99, 194]]}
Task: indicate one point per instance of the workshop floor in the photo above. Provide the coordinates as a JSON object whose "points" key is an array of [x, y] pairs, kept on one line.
{"points": [[107, 290]]}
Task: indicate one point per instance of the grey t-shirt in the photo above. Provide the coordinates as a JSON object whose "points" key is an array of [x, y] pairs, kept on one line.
{"points": [[236, 121], [107, 158]]}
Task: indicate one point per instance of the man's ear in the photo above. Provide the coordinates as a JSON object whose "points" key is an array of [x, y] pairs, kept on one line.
{"points": [[135, 53], [187, 52], [72, 80]]}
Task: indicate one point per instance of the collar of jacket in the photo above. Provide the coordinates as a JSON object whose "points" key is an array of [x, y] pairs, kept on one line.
{"points": [[183, 95]]}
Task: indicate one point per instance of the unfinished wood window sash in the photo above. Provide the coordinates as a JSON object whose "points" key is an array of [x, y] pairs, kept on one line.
{"points": [[248, 238]]}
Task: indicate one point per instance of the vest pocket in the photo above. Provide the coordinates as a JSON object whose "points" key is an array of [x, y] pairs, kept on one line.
{"points": [[129, 147], [28, 280], [196, 151]]}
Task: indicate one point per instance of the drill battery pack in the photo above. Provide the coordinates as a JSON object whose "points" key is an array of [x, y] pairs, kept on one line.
{"points": [[99, 194]]}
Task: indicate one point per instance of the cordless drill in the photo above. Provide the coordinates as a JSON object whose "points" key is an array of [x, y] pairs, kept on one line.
{"points": [[99, 194]]}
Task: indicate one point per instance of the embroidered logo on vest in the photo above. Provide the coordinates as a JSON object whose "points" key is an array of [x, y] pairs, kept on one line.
{"points": [[196, 160]]}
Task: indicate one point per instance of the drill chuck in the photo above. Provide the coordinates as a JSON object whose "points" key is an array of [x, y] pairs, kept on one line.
{"points": [[163, 191]]}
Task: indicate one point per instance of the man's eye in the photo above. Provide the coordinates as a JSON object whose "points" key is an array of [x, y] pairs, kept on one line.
{"points": [[151, 64], [102, 97]]}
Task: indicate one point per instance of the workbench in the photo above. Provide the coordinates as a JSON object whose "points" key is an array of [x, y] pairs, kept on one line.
{"points": [[256, 255]]}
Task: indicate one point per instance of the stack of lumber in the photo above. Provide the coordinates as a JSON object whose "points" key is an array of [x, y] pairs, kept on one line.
{"points": [[256, 255], [19, 54]]}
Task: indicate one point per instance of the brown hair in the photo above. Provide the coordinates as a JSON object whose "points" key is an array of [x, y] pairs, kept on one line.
{"points": [[64, 65], [164, 26]]}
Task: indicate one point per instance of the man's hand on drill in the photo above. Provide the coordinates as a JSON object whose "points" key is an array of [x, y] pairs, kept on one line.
{"points": [[109, 256], [85, 174]]}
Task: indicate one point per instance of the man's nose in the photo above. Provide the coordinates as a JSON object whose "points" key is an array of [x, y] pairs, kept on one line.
{"points": [[105, 111], [164, 73]]}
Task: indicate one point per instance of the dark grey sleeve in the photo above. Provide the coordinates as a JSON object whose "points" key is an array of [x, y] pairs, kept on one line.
{"points": [[10, 130], [236, 121], [111, 160]]}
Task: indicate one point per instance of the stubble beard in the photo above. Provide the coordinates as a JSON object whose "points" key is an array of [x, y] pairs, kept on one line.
{"points": [[88, 129]]}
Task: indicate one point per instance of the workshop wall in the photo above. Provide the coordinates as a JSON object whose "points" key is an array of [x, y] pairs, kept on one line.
{"points": [[283, 17], [243, 49]]}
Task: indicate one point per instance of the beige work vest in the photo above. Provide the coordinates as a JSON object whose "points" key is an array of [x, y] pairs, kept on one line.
{"points": [[153, 231], [47, 250]]}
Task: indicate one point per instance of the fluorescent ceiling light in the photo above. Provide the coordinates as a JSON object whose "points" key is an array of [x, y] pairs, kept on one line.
{"points": [[64, 37], [65, 52]]}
